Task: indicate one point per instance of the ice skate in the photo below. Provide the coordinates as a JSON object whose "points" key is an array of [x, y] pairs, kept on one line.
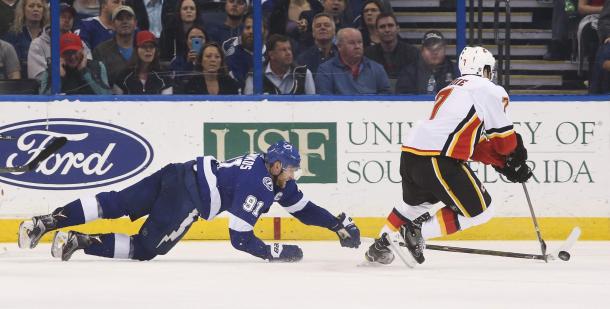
{"points": [[413, 240], [379, 252], [408, 244], [65, 244], [31, 231]]}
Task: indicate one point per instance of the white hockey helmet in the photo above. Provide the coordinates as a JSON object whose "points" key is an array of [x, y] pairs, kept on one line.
{"points": [[474, 59]]}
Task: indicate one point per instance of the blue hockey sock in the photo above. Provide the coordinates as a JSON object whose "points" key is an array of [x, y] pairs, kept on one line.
{"points": [[111, 246], [70, 215]]}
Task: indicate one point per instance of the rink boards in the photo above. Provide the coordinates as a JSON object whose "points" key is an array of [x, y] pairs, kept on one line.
{"points": [[351, 156]]}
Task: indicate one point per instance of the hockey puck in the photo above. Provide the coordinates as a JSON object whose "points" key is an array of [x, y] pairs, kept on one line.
{"points": [[563, 255]]}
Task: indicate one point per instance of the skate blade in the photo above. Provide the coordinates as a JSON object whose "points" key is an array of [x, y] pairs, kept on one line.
{"points": [[24, 241], [402, 252], [59, 241]]}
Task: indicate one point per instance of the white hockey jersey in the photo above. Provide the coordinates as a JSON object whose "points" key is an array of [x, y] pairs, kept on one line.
{"points": [[468, 121]]}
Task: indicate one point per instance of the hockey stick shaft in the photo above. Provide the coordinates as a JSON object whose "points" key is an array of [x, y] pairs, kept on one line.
{"points": [[487, 252], [43, 155], [529, 203]]}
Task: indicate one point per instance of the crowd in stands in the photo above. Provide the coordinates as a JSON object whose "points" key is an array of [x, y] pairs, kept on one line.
{"points": [[206, 47]]}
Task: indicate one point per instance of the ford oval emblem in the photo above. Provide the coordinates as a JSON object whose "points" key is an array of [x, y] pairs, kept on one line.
{"points": [[96, 154]]}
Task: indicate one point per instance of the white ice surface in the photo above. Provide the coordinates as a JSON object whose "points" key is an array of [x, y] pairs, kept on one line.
{"points": [[214, 275]]}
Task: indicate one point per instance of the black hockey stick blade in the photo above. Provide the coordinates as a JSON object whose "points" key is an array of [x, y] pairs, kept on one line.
{"points": [[47, 152], [487, 252], [55, 145]]}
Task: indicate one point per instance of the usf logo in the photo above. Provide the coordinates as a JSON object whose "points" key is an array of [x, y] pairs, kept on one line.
{"points": [[317, 144]]}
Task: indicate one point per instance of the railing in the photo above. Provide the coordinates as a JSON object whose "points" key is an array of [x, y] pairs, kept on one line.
{"points": [[503, 68]]}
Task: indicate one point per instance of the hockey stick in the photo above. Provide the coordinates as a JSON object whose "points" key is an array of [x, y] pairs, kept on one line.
{"points": [[561, 253], [6, 137], [540, 240], [43, 155]]}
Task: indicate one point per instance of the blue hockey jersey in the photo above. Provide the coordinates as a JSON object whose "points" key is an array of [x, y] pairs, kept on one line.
{"points": [[244, 188]]}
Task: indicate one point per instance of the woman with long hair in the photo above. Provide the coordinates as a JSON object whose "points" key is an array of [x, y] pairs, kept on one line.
{"points": [[173, 42], [368, 22], [183, 66], [144, 76], [214, 78], [30, 18]]}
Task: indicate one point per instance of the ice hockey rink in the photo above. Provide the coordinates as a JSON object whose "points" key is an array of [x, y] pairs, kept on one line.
{"points": [[211, 274]]}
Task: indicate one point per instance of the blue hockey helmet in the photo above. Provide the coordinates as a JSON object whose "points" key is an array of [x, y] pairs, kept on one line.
{"points": [[284, 152]]}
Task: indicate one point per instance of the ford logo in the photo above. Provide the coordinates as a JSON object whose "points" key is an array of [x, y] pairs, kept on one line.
{"points": [[96, 154]]}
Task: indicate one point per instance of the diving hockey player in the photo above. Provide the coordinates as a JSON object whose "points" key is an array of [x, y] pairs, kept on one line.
{"points": [[176, 195], [468, 122]]}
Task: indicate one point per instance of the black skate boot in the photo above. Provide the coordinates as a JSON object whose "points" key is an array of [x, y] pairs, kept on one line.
{"points": [[65, 244], [31, 231], [411, 233], [379, 251]]}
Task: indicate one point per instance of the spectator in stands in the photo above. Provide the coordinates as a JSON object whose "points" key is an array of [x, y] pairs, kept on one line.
{"points": [[213, 77], [9, 62], [559, 48], [600, 75], [7, 15], [587, 30], [603, 30], [173, 36], [286, 17], [238, 51], [368, 22], [233, 24], [393, 53], [336, 9], [431, 72], [30, 18], [281, 75], [85, 9], [118, 52], [323, 29], [149, 14], [78, 75], [143, 75], [349, 72], [39, 55], [183, 67], [95, 30]]}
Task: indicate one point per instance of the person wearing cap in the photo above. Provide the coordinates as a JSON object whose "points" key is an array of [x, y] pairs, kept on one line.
{"points": [[391, 52], [432, 71], [233, 24], [95, 30], [143, 75], [39, 55], [119, 51], [78, 75]]}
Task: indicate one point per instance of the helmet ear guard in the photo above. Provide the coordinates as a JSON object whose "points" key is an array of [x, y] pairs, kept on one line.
{"points": [[474, 59], [285, 152]]}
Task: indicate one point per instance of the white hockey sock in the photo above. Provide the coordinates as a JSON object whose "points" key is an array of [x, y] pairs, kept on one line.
{"points": [[122, 246], [90, 208]]}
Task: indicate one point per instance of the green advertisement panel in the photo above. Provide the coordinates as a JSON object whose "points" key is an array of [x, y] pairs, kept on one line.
{"points": [[317, 143]]}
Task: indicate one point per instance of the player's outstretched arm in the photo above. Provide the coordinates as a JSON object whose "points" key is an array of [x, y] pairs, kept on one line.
{"points": [[344, 226], [248, 242]]}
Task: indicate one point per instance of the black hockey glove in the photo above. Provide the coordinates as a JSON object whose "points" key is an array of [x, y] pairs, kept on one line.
{"points": [[284, 253], [515, 168], [348, 232]]}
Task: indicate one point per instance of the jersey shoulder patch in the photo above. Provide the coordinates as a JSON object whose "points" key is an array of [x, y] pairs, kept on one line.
{"points": [[268, 183]]}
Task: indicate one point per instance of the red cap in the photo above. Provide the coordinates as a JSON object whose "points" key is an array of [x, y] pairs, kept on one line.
{"points": [[145, 37], [70, 41]]}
